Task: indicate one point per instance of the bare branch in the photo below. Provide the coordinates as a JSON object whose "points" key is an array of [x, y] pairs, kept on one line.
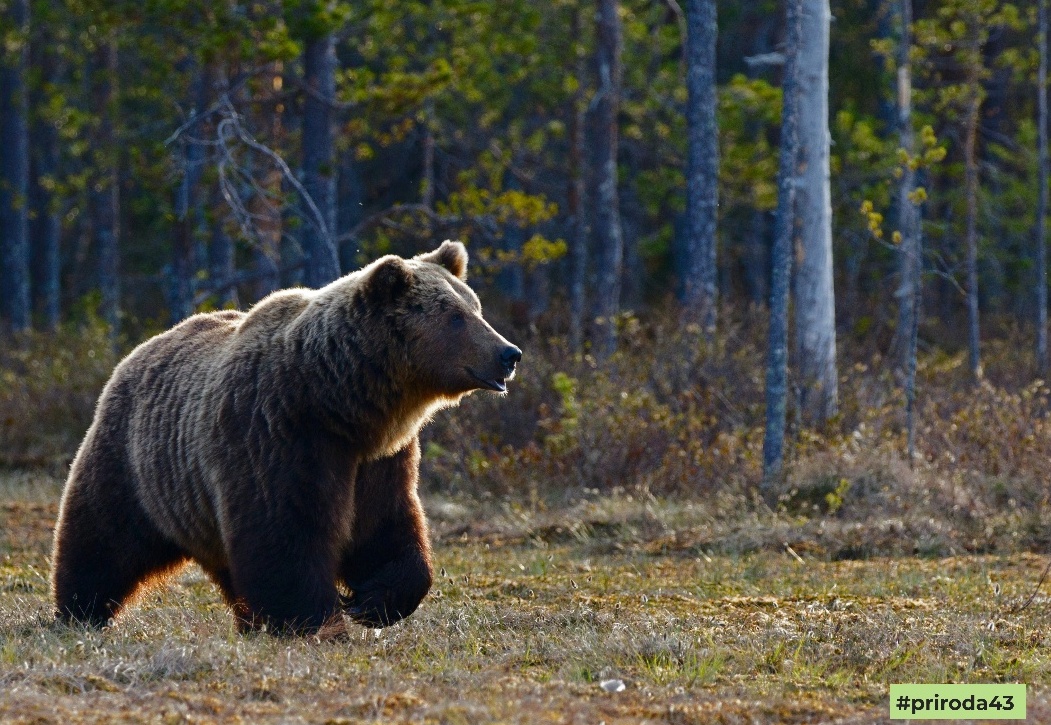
{"points": [[232, 122], [680, 18], [223, 101], [764, 60]]}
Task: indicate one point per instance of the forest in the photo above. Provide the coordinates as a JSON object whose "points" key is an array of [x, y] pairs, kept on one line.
{"points": [[778, 270]]}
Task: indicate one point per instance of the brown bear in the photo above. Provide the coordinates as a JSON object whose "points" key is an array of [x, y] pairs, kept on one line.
{"points": [[279, 449]]}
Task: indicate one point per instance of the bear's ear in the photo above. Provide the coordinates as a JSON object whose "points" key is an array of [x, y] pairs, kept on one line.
{"points": [[451, 255], [389, 279]]}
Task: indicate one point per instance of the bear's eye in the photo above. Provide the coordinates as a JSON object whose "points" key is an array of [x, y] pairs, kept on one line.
{"points": [[456, 320]]}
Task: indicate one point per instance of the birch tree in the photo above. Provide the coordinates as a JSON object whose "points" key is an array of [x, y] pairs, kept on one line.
{"points": [[187, 205], [45, 227], [908, 214], [576, 192], [814, 295], [910, 248], [975, 95]]}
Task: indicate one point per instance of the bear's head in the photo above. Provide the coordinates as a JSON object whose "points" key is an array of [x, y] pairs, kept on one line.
{"points": [[449, 346]]}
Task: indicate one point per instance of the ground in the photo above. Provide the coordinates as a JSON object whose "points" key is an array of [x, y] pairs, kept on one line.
{"points": [[527, 620]]}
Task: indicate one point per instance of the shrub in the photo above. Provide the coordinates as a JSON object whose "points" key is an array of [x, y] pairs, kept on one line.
{"points": [[49, 383], [671, 415]]}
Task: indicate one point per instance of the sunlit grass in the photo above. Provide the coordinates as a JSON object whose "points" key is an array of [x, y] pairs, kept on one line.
{"points": [[520, 629]]}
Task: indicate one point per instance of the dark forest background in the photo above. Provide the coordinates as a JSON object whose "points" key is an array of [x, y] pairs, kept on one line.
{"points": [[462, 119], [612, 166]]}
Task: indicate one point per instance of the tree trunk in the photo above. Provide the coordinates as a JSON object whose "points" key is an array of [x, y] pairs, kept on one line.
{"points": [[222, 259], [856, 253], [319, 160], [296, 213], [910, 257], [14, 172], [184, 264], [1041, 204], [814, 294], [633, 271], [46, 226], [350, 208], [781, 262], [510, 279], [885, 14], [105, 191], [265, 258], [757, 259], [427, 180], [538, 291], [702, 164], [267, 252], [221, 253], [971, 190], [608, 234], [575, 195], [908, 214]]}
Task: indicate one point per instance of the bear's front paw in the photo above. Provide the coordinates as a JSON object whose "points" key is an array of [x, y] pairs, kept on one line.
{"points": [[391, 595], [380, 607], [372, 614]]}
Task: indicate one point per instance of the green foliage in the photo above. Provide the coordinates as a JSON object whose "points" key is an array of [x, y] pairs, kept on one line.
{"points": [[951, 51], [494, 86], [505, 208], [930, 154], [748, 110], [834, 499], [539, 250], [861, 163]]}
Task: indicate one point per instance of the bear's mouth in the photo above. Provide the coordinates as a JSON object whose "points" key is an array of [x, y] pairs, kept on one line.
{"points": [[495, 384]]}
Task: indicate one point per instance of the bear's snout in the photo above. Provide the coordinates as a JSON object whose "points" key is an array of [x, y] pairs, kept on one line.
{"points": [[509, 358]]}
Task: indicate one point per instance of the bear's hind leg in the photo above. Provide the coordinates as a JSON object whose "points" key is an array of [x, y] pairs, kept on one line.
{"points": [[105, 548], [222, 578]]}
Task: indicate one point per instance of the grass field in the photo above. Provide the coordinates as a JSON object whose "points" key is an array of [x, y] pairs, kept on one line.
{"points": [[526, 621]]}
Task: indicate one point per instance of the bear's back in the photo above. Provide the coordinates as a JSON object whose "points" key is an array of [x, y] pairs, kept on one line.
{"points": [[179, 384], [160, 392]]}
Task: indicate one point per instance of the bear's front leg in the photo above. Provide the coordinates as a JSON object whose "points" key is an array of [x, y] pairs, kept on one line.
{"points": [[387, 566], [284, 580], [389, 593]]}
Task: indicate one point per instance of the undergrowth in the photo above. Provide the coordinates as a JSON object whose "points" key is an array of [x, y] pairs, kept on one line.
{"points": [[673, 416]]}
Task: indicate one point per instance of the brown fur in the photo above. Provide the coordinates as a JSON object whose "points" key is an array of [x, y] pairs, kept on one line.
{"points": [[278, 448]]}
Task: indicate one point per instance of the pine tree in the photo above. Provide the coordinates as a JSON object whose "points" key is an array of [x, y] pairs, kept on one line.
{"points": [[781, 262], [14, 169], [702, 164]]}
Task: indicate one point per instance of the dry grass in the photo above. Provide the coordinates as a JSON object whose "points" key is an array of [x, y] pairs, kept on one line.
{"points": [[531, 612], [598, 523]]}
